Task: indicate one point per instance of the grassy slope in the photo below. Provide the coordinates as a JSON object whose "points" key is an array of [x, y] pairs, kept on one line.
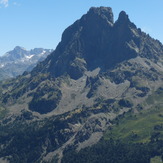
{"points": [[138, 128], [142, 126], [156, 160]]}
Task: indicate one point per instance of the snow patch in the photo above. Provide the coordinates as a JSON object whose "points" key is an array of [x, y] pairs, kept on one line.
{"points": [[2, 65], [29, 57]]}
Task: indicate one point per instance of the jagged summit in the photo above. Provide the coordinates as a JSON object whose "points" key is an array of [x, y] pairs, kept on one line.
{"points": [[96, 41], [17, 53], [123, 17], [124, 22], [19, 47], [103, 12]]}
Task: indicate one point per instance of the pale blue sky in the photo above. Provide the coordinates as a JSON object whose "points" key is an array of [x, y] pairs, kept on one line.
{"points": [[40, 23]]}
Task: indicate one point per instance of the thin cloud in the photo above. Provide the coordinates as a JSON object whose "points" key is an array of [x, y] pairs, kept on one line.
{"points": [[4, 2]]}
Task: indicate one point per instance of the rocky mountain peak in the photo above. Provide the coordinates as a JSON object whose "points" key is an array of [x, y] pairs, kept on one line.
{"points": [[102, 12], [18, 60], [19, 48], [17, 53], [124, 22], [95, 41], [123, 17]]}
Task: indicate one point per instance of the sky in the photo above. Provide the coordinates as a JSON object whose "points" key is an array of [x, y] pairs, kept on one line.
{"points": [[40, 23]]}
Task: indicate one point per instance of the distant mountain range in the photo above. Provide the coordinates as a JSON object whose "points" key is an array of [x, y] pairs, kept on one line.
{"points": [[15, 62], [103, 84]]}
